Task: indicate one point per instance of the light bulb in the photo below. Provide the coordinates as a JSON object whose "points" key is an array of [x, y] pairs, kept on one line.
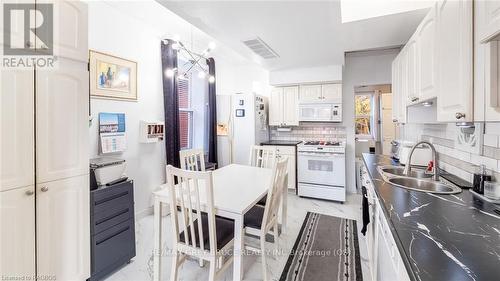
{"points": [[169, 72], [211, 46], [201, 74], [211, 79]]}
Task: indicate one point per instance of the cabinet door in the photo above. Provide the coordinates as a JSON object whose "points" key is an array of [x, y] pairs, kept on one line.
{"points": [[403, 72], [490, 26], [291, 106], [396, 92], [426, 48], [385, 268], [332, 92], [16, 128], [63, 228], [411, 73], [454, 59], [62, 132], [309, 93], [276, 107], [17, 236], [70, 30]]}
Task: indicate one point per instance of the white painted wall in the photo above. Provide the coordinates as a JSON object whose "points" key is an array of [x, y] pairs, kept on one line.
{"points": [[361, 68], [329, 73], [133, 30]]}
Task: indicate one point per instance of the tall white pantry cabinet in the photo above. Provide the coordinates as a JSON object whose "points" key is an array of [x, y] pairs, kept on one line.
{"points": [[44, 188]]}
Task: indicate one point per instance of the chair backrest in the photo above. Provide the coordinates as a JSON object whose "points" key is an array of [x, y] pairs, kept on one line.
{"points": [[190, 194], [262, 156], [275, 193], [192, 159]]}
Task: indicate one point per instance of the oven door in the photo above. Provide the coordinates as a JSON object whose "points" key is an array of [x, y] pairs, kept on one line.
{"points": [[321, 168]]}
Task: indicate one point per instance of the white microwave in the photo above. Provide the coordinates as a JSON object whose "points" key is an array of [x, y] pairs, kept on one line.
{"points": [[320, 112]]}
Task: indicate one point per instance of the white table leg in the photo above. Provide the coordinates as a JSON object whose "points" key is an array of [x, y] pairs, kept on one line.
{"points": [[157, 252], [238, 249]]}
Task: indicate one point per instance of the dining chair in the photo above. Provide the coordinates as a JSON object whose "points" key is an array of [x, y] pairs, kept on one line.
{"points": [[192, 159], [260, 220], [262, 156], [197, 233]]}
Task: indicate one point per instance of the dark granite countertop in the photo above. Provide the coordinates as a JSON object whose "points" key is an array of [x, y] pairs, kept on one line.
{"points": [[277, 142], [440, 237]]}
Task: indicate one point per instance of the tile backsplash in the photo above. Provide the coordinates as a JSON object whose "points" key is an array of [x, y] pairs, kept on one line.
{"points": [[311, 131], [452, 159]]}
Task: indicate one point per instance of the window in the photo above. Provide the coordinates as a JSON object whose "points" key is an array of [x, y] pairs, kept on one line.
{"points": [[364, 116], [185, 114]]}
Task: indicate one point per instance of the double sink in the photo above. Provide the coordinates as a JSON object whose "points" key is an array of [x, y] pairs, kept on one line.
{"points": [[417, 180]]}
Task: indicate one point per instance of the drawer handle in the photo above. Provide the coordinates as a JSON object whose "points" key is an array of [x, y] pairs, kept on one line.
{"points": [[112, 216], [111, 198], [113, 235]]}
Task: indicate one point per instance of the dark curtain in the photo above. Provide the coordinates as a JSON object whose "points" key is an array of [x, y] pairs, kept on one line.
{"points": [[212, 114], [170, 103]]}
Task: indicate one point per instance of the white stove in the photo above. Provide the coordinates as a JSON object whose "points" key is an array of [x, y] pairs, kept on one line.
{"points": [[321, 170]]}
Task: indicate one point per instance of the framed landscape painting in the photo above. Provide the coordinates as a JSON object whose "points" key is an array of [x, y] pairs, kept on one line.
{"points": [[112, 77]]}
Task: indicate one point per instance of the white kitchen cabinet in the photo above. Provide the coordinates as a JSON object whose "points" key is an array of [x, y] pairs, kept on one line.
{"points": [[284, 106], [310, 93], [454, 61], [332, 92], [62, 121], [290, 153], [413, 94], [17, 239], [490, 19], [63, 228], [396, 91], [70, 29], [426, 67], [276, 107], [16, 129], [403, 73], [291, 106]]}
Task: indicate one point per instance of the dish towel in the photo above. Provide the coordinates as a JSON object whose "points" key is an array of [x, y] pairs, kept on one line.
{"points": [[366, 212]]}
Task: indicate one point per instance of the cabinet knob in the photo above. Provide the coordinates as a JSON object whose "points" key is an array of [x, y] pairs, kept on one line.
{"points": [[29, 192], [44, 189], [459, 115]]}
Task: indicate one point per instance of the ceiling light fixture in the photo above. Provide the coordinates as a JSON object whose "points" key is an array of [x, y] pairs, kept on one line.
{"points": [[194, 60]]}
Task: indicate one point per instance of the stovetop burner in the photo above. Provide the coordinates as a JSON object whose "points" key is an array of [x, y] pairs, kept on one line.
{"points": [[329, 143]]}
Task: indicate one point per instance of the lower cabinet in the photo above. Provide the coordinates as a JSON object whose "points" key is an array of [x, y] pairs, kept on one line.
{"points": [[385, 261], [289, 152], [63, 229], [17, 237]]}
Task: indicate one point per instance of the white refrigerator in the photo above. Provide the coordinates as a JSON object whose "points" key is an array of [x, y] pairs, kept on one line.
{"points": [[242, 121]]}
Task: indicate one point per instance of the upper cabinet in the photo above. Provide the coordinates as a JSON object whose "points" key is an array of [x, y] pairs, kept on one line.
{"points": [[318, 93], [70, 30], [437, 62], [490, 19], [426, 70], [310, 93], [454, 49], [284, 106]]}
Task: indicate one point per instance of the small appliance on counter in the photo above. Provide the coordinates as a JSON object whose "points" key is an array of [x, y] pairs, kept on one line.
{"points": [[106, 171], [421, 156]]}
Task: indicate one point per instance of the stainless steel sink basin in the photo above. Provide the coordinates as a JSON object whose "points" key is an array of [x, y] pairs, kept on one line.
{"points": [[399, 171], [425, 185]]}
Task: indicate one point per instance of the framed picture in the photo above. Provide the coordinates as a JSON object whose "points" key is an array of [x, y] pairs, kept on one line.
{"points": [[112, 77]]}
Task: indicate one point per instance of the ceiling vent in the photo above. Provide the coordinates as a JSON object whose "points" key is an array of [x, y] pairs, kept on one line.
{"points": [[260, 48]]}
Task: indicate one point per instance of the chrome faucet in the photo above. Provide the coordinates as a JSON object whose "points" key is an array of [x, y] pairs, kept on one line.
{"points": [[407, 170]]}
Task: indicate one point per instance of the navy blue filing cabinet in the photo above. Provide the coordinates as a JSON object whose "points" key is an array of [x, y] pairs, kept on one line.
{"points": [[112, 228]]}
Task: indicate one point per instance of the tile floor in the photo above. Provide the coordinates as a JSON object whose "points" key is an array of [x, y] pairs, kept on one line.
{"points": [[141, 267]]}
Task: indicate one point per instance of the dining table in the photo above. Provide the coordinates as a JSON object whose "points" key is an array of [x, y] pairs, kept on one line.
{"points": [[236, 189]]}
